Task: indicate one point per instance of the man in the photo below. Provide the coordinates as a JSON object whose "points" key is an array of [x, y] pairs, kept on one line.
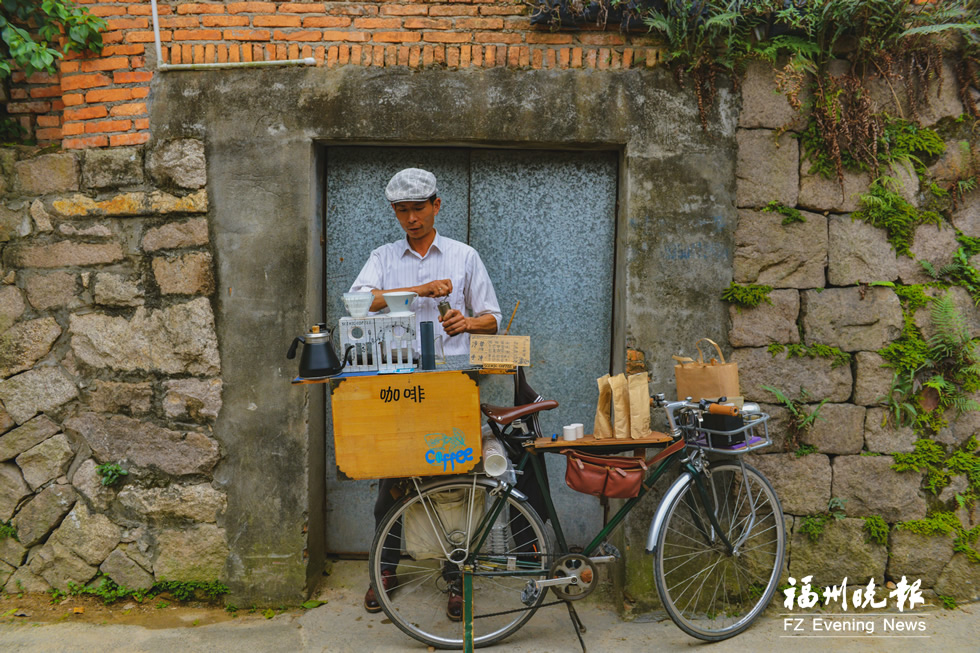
{"points": [[433, 266]]}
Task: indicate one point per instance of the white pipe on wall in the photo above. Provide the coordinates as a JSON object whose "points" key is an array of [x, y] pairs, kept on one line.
{"points": [[308, 61]]}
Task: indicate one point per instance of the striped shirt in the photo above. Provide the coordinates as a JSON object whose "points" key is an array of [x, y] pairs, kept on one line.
{"points": [[397, 265]]}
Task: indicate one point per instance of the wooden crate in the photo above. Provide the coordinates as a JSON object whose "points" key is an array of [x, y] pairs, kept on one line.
{"points": [[394, 425]]}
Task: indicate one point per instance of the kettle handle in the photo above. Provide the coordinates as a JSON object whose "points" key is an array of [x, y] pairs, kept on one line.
{"points": [[292, 348], [347, 357]]}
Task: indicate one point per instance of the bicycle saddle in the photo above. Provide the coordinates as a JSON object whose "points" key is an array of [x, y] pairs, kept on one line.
{"points": [[507, 414]]}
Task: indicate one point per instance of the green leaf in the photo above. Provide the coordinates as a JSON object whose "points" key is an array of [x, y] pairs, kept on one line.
{"points": [[312, 603]]}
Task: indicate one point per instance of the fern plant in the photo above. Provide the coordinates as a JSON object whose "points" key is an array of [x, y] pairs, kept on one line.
{"points": [[884, 208]]}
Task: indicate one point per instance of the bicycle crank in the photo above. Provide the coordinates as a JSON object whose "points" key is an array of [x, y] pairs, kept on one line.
{"points": [[580, 570]]}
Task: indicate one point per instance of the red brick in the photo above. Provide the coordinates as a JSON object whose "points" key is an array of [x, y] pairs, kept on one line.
{"points": [[43, 78], [277, 21], [497, 37], [414, 53], [146, 10], [135, 77], [513, 10], [345, 36], [108, 126], [452, 10], [224, 21], [247, 34], [109, 95], [73, 128], [86, 113], [439, 54], [73, 99], [19, 94], [137, 62], [199, 54], [590, 58], [104, 11], [49, 121], [280, 52], [222, 53], [395, 37], [465, 53], [294, 50], [447, 37], [111, 63], [452, 57], [127, 23], [517, 24], [601, 38], [377, 23], [146, 37], [550, 58], [355, 54], [326, 21], [234, 54], [71, 66], [427, 55], [343, 54], [332, 54], [128, 139], [549, 37], [301, 8], [576, 57], [251, 7], [603, 59], [514, 56], [303, 35], [141, 123], [404, 10], [479, 23], [378, 58], [477, 55], [201, 8], [48, 134], [123, 49], [490, 55], [84, 81], [627, 57], [81, 143], [428, 23], [197, 35], [46, 91], [179, 21], [307, 52]]}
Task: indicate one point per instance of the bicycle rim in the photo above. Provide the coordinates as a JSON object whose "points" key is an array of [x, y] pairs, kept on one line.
{"points": [[417, 605], [708, 592]]}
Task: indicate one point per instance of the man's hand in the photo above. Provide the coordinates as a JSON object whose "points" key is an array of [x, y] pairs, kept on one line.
{"points": [[455, 323], [438, 288]]}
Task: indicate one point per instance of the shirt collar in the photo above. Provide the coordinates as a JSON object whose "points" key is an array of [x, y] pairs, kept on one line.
{"points": [[437, 244]]}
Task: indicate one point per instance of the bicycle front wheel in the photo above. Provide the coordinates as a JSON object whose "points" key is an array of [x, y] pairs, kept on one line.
{"points": [[427, 536], [709, 591]]}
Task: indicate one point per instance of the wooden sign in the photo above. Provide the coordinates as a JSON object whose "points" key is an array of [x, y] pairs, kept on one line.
{"points": [[500, 351], [421, 424]]}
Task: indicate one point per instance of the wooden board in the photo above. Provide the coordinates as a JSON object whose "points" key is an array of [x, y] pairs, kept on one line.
{"points": [[422, 424], [589, 441]]}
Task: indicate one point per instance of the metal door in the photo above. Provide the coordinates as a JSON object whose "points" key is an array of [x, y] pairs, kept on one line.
{"points": [[544, 225]]}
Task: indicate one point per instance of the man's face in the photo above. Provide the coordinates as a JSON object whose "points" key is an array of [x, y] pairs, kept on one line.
{"points": [[417, 218]]}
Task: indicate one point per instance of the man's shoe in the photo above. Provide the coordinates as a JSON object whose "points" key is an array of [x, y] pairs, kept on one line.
{"points": [[454, 609], [389, 582]]}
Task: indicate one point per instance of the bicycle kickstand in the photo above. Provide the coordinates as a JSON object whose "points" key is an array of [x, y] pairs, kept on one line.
{"points": [[577, 623]]}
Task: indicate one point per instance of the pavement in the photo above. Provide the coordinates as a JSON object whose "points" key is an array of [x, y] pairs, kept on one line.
{"points": [[341, 625]]}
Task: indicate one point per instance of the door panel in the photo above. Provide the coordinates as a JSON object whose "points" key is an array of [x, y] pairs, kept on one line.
{"points": [[544, 225]]}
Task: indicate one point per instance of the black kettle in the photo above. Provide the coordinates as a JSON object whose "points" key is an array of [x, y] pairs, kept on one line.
{"points": [[319, 358]]}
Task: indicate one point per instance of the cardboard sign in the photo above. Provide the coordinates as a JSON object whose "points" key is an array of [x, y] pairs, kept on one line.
{"points": [[422, 424], [500, 351]]}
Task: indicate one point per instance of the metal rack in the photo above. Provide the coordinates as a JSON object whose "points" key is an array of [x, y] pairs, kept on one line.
{"points": [[756, 432]]}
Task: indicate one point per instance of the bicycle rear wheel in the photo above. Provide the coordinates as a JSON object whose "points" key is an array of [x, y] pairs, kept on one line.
{"points": [[708, 592], [430, 534]]}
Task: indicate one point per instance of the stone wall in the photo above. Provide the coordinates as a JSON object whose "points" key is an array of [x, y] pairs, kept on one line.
{"points": [[109, 356], [820, 271]]}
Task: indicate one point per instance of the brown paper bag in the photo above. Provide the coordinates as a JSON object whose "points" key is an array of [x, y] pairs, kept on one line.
{"points": [[603, 427], [700, 380], [639, 405], [621, 406]]}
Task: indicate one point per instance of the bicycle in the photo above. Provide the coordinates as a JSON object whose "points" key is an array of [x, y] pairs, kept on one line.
{"points": [[718, 537]]}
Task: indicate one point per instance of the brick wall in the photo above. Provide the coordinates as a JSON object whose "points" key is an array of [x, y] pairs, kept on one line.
{"points": [[102, 101]]}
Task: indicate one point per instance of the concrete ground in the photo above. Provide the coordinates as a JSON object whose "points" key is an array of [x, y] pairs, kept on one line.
{"points": [[341, 625]]}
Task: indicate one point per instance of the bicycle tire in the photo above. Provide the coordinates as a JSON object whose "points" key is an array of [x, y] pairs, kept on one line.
{"points": [[417, 604], [710, 594]]}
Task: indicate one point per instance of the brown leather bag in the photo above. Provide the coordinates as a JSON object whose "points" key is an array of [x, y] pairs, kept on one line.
{"points": [[616, 477]]}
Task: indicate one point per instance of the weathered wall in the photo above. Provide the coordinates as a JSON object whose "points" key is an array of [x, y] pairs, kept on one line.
{"points": [[109, 355], [148, 292]]}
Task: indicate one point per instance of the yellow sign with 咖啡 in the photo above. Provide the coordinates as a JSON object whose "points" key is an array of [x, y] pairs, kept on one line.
{"points": [[395, 425]]}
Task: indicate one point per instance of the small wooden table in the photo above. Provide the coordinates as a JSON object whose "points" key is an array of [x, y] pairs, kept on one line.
{"points": [[587, 442]]}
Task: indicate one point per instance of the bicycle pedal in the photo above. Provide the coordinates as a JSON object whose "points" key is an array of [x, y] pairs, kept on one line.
{"points": [[530, 593], [606, 549]]}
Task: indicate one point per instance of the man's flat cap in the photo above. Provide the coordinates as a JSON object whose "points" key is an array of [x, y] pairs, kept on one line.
{"points": [[411, 185]]}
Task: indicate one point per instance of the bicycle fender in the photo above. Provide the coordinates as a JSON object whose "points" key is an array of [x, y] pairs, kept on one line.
{"points": [[661, 514]]}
